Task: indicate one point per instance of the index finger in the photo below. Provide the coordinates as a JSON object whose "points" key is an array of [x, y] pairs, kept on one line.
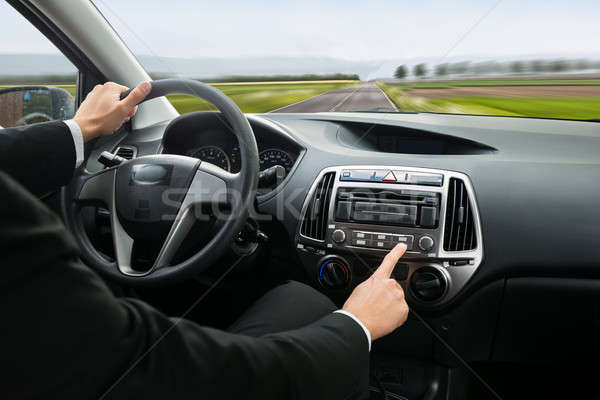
{"points": [[389, 262]]}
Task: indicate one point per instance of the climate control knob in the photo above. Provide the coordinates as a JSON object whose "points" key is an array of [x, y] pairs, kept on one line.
{"points": [[428, 284], [338, 236], [426, 243], [334, 274]]}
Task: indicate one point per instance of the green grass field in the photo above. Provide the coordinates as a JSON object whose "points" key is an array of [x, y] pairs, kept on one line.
{"points": [[547, 107], [540, 107], [258, 98], [483, 82]]}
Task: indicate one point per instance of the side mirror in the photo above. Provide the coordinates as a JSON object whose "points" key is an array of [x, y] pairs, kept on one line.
{"points": [[32, 104]]}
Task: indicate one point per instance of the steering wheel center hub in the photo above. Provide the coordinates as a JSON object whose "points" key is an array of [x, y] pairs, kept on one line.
{"points": [[149, 192]]}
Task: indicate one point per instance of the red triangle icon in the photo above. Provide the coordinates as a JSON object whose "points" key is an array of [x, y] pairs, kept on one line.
{"points": [[390, 177]]}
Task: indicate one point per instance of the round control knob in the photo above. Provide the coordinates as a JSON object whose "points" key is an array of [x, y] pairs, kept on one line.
{"points": [[338, 236], [428, 284], [334, 274], [426, 243]]}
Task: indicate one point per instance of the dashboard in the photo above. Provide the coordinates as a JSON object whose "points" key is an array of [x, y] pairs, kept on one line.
{"points": [[204, 135], [500, 214]]}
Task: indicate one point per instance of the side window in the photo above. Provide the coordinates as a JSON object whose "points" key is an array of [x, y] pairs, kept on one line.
{"points": [[37, 82]]}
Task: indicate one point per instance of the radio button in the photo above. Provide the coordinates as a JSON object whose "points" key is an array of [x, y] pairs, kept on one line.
{"points": [[360, 242], [379, 244], [381, 236], [426, 243], [406, 239], [338, 236], [361, 235]]}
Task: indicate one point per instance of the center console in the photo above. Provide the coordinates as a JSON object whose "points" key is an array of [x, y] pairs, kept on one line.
{"points": [[353, 215]]}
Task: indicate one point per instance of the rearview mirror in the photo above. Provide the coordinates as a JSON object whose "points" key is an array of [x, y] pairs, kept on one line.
{"points": [[32, 104]]}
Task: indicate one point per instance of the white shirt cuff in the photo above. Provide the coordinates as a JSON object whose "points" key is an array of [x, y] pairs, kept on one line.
{"points": [[77, 140], [359, 323]]}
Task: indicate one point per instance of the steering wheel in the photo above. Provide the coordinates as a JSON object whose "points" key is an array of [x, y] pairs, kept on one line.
{"points": [[156, 199]]}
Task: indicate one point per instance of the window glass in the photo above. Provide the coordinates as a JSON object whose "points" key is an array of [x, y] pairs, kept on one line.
{"points": [[536, 58], [37, 82]]}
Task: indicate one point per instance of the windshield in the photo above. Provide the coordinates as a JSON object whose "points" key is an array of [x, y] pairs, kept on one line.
{"points": [[538, 58]]}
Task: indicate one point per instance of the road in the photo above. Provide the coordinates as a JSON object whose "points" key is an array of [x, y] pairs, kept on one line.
{"points": [[366, 96]]}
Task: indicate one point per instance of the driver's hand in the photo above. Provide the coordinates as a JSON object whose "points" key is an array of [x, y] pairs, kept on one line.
{"points": [[379, 301], [102, 112]]}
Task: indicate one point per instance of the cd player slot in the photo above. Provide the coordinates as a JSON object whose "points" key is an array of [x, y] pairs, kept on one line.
{"points": [[385, 213]]}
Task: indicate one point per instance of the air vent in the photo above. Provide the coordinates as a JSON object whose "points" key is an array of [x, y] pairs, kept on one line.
{"points": [[127, 152], [314, 224], [459, 234]]}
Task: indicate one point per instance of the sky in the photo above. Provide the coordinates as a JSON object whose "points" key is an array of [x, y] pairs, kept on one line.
{"points": [[435, 30]]}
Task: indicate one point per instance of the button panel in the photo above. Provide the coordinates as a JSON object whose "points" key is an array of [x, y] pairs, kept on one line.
{"points": [[391, 176], [374, 207], [380, 240]]}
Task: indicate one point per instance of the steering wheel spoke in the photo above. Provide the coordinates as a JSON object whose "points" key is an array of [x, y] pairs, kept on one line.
{"points": [[97, 188], [100, 188], [209, 196], [123, 247]]}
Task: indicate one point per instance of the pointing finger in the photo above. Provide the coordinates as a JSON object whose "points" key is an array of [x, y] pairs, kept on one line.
{"points": [[389, 262]]}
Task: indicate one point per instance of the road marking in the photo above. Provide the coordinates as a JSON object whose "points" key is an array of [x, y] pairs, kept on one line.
{"points": [[388, 99], [345, 98]]}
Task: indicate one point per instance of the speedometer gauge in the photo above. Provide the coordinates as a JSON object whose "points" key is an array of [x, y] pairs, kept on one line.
{"points": [[212, 154], [271, 157]]}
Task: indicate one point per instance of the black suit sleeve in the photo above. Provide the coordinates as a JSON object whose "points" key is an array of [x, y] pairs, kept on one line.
{"points": [[40, 157], [64, 335]]}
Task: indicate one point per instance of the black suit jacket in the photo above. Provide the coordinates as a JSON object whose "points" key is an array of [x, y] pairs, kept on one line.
{"points": [[64, 335], [41, 157]]}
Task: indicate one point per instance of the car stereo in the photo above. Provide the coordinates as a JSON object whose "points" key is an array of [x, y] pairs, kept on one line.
{"points": [[354, 212]]}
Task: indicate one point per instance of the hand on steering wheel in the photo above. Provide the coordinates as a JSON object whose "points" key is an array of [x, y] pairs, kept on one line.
{"points": [[158, 195]]}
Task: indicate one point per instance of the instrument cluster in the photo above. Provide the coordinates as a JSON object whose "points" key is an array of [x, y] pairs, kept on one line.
{"points": [[207, 136], [229, 159]]}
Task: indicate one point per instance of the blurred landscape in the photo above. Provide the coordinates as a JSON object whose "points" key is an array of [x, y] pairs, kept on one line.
{"points": [[548, 88]]}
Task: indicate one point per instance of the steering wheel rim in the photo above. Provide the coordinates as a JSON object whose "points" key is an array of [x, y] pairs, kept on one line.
{"points": [[240, 190]]}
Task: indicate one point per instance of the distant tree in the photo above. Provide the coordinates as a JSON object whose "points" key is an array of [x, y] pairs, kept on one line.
{"points": [[441, 69], [420, 70], [459, 67], [517, 67], [558, 66], [581, 64], [401, 72], [538, 66], [482, 68]]}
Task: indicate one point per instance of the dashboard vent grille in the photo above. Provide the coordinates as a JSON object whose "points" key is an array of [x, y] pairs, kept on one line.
{"points": [[459, 232], [127, 152], [314, 224]]}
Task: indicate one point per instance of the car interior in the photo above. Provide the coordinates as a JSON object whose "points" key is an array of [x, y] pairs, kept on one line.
{"points": [[499, 215]]}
